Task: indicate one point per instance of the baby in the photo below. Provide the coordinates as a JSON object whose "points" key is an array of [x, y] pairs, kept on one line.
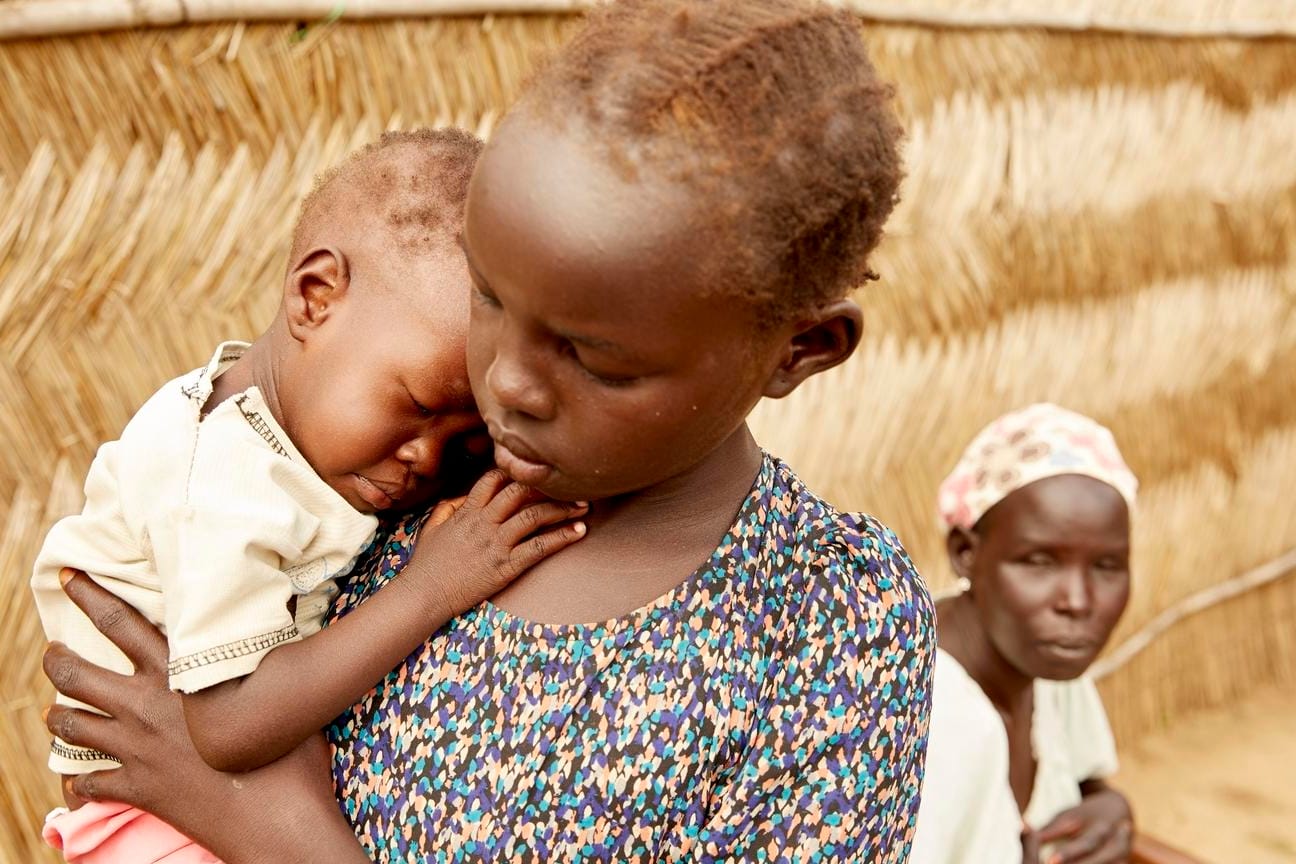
{"points": [[240, 492]]}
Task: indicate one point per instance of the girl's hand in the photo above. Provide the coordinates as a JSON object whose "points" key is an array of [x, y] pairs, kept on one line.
{"points": [[283, 812], [472, 548], [1098, 830]]}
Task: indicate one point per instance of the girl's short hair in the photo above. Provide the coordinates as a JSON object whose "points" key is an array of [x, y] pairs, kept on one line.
{"points": [[770, 108]]}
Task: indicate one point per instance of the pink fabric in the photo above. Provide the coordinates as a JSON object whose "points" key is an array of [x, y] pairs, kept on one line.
{"points": [[1036, 442], [110, 833]]}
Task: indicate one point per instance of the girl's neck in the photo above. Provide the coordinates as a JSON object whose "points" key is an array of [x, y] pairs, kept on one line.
{"points": [[718, 484], [961, 634], [640, 546]]}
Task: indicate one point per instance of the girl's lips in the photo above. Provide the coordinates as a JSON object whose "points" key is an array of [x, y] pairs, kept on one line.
{"points": [[527, 471]]}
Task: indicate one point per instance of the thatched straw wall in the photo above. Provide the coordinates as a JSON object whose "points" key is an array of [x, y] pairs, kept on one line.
{"points": [[1099, 218]]}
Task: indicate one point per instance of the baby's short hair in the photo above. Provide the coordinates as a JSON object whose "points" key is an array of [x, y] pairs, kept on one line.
{"points": [[415, 183], [770, 108]]}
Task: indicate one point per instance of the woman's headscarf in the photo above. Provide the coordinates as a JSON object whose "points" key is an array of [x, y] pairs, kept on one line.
{"points": [[1040, 441]]}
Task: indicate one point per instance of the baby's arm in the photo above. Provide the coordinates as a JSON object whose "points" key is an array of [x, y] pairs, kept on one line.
{"points": [[495, 535]]}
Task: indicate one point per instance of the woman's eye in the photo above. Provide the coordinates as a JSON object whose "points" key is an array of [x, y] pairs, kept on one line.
{"points": [[1038, 559], [1110, 565]]}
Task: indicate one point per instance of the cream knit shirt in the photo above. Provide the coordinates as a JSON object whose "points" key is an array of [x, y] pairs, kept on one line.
{"points": [[206, 525]]}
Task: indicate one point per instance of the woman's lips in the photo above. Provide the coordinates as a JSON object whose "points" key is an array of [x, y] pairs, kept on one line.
{"points": [[1070, 649]]}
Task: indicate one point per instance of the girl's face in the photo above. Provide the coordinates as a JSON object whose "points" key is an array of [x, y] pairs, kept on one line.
{"points": [[1049, 567], [599, 361]]}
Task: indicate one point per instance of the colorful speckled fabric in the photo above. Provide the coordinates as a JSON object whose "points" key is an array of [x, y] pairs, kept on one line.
{"points": [[773, 707]]}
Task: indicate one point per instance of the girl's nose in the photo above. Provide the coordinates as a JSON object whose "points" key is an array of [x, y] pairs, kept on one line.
{"points": [[516, 387]]}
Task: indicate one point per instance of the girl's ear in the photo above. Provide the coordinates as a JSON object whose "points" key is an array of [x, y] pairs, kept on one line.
{"points": [[961, 544], [815, 344], [320, 279]]}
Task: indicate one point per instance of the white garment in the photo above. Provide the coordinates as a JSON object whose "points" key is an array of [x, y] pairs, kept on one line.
{"points": [[968, 814], [206, 525]]}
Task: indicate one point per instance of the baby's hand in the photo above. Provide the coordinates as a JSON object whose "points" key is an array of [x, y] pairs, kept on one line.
{"points": [[470, 548], [443, 511]]}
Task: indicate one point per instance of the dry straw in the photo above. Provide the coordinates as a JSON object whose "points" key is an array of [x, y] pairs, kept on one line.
{"points": [[1246, 18], [1099, 219]]}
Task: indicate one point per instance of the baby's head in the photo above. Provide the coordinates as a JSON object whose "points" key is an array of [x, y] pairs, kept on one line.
{"points": [[370, 340], [666, 229]]}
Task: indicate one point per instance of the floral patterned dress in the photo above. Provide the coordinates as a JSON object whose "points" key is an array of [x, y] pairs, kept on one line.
{"points": [[773, 707]]}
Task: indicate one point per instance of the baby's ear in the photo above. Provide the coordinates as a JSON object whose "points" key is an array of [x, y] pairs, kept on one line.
{"points": [[318, 281], [816, 342]]}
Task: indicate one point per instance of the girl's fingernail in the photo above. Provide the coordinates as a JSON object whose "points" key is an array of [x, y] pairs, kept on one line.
{"points": [[65, 576], [581, 503], [45, 714], [578, 527]]}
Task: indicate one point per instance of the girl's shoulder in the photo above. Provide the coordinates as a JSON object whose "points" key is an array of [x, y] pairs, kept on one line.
{"points": [[842, 551], [818, 528]]}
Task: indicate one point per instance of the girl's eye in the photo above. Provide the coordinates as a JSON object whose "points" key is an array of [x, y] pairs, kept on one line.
{"points": [[610, 382], [1110, 565], [1038, 559], [605, 380]]}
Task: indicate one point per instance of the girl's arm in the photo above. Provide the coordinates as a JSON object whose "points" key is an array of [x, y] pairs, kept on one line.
{"points": [[465, 554], [284, 812]]}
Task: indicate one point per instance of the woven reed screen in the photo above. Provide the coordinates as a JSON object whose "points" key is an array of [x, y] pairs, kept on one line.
{"points": [[1100, 219]]}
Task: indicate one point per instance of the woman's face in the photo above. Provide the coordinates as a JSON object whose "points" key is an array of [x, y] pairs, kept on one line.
{"points": [[599, 363], [1049, 567]]}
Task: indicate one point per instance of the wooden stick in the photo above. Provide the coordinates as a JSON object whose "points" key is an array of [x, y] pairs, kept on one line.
{"points": [[1071, 16], [1192, 604], [25, 19]]}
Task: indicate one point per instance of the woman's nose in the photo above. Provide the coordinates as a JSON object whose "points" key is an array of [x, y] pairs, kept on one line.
{"points": [[1073, 592]]}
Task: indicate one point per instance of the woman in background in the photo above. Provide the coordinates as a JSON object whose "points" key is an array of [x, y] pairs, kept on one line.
{"points": [[1038, 515]]}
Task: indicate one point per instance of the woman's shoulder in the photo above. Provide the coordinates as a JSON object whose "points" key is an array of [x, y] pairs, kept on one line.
{"points": [[962, 710], [967, 812], [1072, 723]]}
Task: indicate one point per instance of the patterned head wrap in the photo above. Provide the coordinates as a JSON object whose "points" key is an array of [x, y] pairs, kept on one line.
{"points": [[1040, 441]]}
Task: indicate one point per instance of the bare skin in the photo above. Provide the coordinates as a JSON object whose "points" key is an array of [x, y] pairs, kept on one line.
{"points": [[284, 812], [577, 285], [1049, 569], [497, 533], [363, 368], [607, 371], [390, 424]]}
